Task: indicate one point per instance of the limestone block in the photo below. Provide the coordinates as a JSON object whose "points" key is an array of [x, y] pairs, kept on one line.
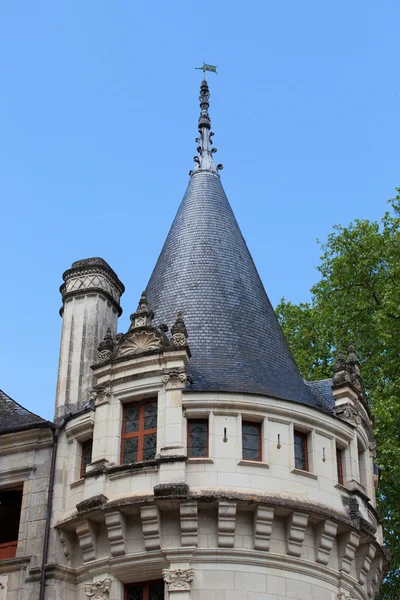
{"points": [[364, 557], [3, 586], [296, 531], [189, 523], [226, 524], [348, 544], [150, 516], [263, 517], [87, 536], [325, 534], [116, 531]]}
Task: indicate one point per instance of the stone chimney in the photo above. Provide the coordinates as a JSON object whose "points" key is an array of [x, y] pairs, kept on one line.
{"points": [[91, 304]]}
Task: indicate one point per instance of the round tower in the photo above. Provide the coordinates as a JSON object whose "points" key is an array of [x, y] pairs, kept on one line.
{"points": [[91, 303], [205, 467]]}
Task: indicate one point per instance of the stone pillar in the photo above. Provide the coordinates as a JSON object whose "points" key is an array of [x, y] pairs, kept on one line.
{"points": [[91, 294]]}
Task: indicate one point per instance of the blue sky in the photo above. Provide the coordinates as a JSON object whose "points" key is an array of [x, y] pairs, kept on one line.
{"points": [[98, 116]]}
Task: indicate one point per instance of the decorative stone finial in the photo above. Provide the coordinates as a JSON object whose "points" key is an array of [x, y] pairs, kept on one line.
{"points": [[340, 374], [106, 347], [143, 315], [179, 331], [204, 159]]}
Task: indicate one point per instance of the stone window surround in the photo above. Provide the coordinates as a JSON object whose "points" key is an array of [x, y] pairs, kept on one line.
{"points": [[11, 478], [78, 431]]}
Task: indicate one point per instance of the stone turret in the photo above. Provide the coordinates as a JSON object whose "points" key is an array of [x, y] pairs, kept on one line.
{"points": [[91, 305]]}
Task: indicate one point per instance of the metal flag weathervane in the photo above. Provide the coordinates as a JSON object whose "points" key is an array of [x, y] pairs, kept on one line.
{"points": [[206, 67]]}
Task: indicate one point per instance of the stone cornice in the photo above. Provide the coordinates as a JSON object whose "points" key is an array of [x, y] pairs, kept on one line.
{"points": [[9, 565], [28, 439]]}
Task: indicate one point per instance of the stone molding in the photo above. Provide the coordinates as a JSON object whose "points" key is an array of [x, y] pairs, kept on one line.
{"points": [[296, 531], [226, 524], [178, 580], [99, 590], [116, 531], [262, 527], [16, 475], [325, 537], [150, 516], [87, 537], [348, 544], [189, 523]]}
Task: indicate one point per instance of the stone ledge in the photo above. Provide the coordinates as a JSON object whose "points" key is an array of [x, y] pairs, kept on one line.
{"points": [[304, 473], [253, 463]]}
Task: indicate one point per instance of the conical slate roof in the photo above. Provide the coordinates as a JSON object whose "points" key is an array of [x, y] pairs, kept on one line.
{"points": [[206, 271]]}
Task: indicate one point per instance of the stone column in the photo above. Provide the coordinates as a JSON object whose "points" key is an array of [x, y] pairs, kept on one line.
{"points": [[91, 303]]}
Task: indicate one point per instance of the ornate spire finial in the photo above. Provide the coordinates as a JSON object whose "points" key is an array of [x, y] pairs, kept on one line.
{"points": [[143, 315], [204, 159]]}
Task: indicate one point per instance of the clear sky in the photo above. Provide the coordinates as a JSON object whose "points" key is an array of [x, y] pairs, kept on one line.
{"points": [[98, 113]]}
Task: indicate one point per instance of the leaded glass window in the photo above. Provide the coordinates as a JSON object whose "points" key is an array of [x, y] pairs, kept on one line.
{"points": [[300, 451], [197, 441], [139, 432], [153, 590], [86, 455], [251, 441]]}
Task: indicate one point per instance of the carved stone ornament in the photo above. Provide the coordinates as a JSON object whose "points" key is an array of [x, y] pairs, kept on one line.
{"points": [[99, 590], [344, 596], [348, 413], [100, 395], [178, 580], [141, 341], [106, 347], [179, 332], [174, 380]]}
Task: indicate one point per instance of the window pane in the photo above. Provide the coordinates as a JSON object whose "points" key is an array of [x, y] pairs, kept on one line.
{"points": [[156, 591], [149, 446], [339, 464], [150, 415], [135, 593], [198, 438], [130, 450], [251, 437], [86, 455], [131, 418], [300, 451]]}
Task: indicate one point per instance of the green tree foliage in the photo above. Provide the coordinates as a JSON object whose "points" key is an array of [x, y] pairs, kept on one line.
{"points": [[358, 300]]}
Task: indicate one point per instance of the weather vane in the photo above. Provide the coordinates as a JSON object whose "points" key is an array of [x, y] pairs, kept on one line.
{"points": [[206, 67]]}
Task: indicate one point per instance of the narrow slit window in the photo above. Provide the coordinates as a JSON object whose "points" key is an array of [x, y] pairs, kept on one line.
{"points": [[139, 432], [86, 459], [153, 590], [251, 440], [339, 464], [301, 450], [197, 438]]}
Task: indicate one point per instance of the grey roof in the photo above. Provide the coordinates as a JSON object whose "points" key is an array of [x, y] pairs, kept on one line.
{"points": [[206, 271], [322, 390], [14, 417]]}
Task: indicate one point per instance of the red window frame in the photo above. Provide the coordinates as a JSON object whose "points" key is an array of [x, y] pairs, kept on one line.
{"points": [[192, 422], [84, 444], [304, 437], [141, 433], [258, 425], [339, 463], [144, 584]]}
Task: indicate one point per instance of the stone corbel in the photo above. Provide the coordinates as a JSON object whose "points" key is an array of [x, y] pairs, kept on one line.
{"points": [[325, 536], [226, 524], [174, 380], [150, 516], [365, 556], [374, 577], [178, 580], [348, 544], [67, 544], [99, 590], [116, 530], [296, 531], [189, 523], [263, 518], [87, 536]]}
